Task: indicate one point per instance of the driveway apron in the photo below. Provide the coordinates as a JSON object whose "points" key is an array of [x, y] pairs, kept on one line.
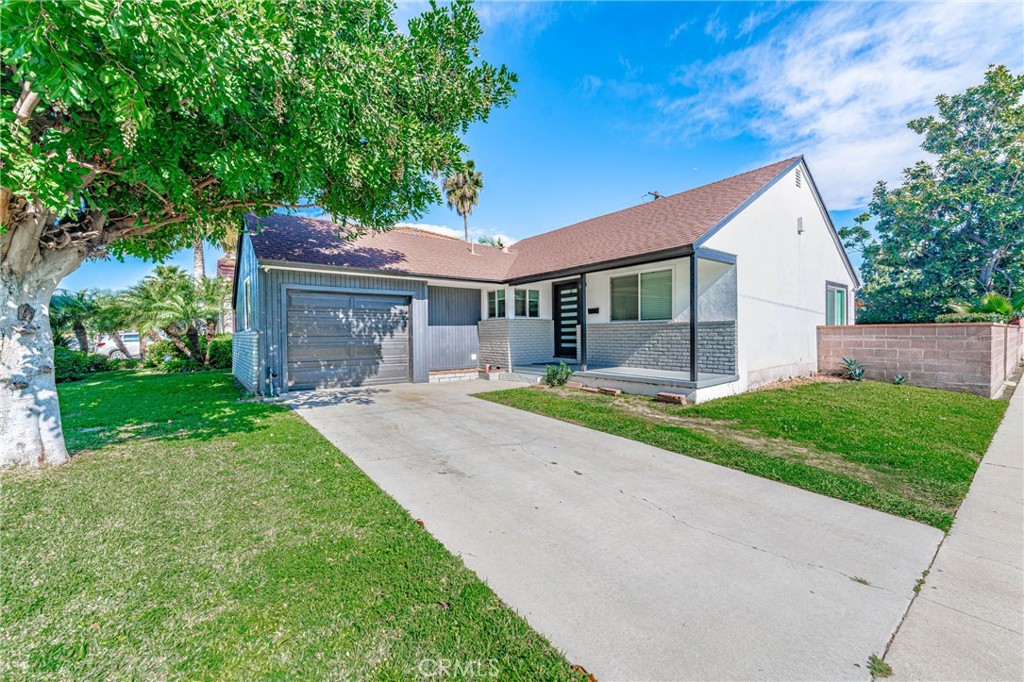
{"points": [[637, 563]]}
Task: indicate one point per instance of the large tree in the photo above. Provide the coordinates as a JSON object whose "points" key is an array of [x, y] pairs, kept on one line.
{"points": [[954, 228], [132, 128]]}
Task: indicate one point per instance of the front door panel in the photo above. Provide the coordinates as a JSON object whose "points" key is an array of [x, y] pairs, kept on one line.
{"points": [[567, 316]]}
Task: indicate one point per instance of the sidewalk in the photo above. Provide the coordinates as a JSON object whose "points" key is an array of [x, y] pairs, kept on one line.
{"points": [[968, 620]]}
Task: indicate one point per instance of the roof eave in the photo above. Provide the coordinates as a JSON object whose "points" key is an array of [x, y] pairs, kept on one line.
{"points": [[626, 261], [370, 272]]}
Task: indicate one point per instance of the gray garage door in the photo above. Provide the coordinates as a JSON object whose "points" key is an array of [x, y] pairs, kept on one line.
{"points": [[346, 339]]}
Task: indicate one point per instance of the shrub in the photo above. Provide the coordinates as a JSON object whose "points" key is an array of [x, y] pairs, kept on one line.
{"points": [[557, 376], [167, 357], [970, 317], [98, 363], [124, 363], [899, 379], [853, 368], [69, 365], [220, 351]]}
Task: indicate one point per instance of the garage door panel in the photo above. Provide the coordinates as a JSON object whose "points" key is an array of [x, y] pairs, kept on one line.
{"points": [[337, 340]]}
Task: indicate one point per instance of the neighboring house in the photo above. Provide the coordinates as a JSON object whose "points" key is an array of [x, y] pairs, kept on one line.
{"points": [[226, 270], [616, 296]]}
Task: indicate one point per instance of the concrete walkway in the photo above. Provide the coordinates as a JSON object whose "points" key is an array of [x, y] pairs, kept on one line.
{"points": [[968, 621], [637, 563]]}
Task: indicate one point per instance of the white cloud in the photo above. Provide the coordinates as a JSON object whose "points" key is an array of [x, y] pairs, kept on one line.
{"points": [[716, 28], [757, 17], [680, 30], [475, 233], [493, 14], [840, 83]]}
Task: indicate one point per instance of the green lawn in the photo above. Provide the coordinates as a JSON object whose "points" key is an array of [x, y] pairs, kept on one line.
{"points": [[904, 450], [195, 536]]}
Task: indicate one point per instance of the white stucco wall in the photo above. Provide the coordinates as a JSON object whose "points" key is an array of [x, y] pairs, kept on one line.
{"points": [[716, 286], [781, 279]]}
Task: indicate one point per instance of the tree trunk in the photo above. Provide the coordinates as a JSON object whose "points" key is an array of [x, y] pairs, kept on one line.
{"points": [[211, 331], [119, 342], [29, 410], [192, 339], [176, 339], [465, 225], [81, 336], [198, 260]]}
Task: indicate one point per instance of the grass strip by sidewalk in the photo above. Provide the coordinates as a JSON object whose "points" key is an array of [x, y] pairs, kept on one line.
{"points": [[202, 537], [899, 449]]}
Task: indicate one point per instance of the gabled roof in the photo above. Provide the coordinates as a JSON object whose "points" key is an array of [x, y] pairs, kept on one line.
{"points": [[671, 223]]}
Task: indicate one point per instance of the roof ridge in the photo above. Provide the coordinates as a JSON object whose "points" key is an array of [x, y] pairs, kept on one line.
{"points": [[667, 196]]}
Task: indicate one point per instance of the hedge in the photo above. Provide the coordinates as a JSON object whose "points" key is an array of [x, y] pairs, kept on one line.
{"points": [[72, 365], [166, 357], [970, 317]]}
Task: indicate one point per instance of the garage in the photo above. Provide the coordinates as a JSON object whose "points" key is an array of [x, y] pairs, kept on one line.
{"points": [[339, 339]]}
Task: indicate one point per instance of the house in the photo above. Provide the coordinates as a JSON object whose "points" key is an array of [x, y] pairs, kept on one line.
{"points": [[707, 292]]}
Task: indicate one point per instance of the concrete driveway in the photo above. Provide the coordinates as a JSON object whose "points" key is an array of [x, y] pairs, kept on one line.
{"points": [[639, 564]]}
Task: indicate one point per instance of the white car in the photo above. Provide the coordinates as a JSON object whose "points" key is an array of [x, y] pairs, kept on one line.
{"points": [[106, 346]]}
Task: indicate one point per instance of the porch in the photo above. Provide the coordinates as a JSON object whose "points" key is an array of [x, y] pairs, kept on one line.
{"points": [[668, 325], [638, 380]]}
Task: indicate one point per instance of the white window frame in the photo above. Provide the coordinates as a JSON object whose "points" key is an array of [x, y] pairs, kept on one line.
{"points": [[526, 293], [504, 300], [247, 316], [639, 295], [831, 291]]}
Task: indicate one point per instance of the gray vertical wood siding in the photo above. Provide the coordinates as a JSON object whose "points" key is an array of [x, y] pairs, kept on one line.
{"points": [[246, 362], [452, 338], [272, 321]]}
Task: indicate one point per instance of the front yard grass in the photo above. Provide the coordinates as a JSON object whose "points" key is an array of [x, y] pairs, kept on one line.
{"points": [[900, 449], [196, 537]]}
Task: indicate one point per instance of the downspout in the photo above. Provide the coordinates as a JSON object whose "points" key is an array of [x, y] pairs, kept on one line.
{"points": [[693, 318], [582, 342]]}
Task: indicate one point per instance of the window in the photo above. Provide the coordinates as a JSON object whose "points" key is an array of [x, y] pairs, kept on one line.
{"points": [[646, 296], [835, 304], [247, 303], [527, 302], [496, 303]]}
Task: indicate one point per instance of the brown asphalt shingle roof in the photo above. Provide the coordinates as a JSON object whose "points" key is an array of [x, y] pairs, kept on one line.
{"points": [[674, 221], [297, 239]]}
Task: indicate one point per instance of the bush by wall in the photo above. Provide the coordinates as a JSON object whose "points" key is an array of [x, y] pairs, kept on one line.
{"points": [[970, 317], [166, 357]]}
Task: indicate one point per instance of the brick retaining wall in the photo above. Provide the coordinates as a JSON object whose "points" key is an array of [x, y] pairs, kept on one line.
{"points": [[977, 358]]}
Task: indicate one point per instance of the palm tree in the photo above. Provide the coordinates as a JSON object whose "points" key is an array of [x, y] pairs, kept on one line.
{"points": [[198, 258], [112, 316], [72, 311], [225, 237], [496, 242], [463, 189], [1010, 308], [183, 309]]}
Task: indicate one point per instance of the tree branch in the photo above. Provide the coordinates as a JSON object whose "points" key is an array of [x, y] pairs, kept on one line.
{"points": [[26, 104]]}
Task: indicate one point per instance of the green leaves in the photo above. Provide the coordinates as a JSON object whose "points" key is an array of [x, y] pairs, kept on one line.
{"points": [[167, 115], [953, 228]]}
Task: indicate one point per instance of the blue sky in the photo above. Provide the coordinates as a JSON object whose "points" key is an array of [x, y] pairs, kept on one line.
{"points": [[619, 98]]}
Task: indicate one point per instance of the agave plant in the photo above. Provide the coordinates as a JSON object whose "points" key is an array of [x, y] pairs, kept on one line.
{"points": [[1009, 308]]}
